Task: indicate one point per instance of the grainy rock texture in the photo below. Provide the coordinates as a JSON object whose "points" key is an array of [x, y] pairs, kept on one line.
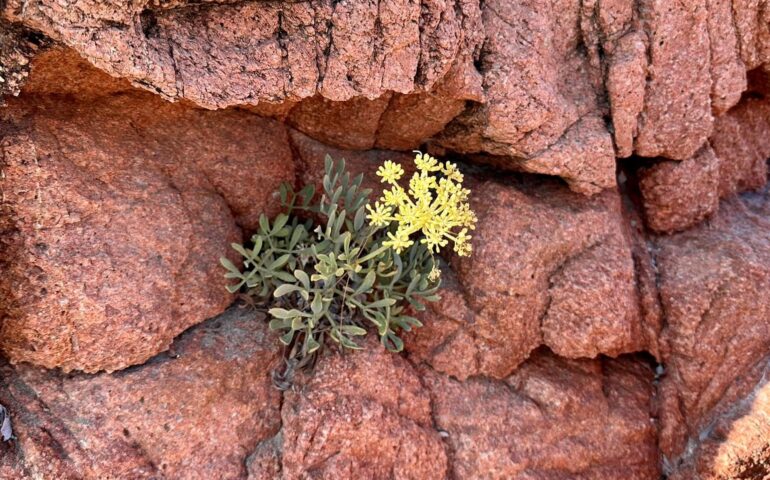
{"points": [[553, 418], [614, 319], [346, 421], [713, 282], [678, 195], [116, 211], [196, 413], [550, 267]]}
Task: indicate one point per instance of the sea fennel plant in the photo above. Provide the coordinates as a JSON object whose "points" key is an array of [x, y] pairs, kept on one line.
{"points": [[330, 269]]}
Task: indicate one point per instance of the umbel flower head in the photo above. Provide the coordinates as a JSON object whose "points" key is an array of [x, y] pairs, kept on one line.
{"points": [[435, 206]]}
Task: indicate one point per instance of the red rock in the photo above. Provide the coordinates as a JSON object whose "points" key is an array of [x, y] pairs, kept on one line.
{"points": [[219, 55], [410, 119], [737, 443], [195, 414], [311, 155], [549, 267], [541, 114], [360, 415], [728, 73], [676, 119], [713, 282], [626, 82], [352, 124], [677, 195], [17, 46], [553, 418], [117, 209], [741, 140]]}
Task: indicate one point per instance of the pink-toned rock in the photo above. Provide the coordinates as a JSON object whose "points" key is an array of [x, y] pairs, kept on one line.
{"points": [[736, 445], [676, 120], [549, 267], [542, 114], [116, 210], [222, 54], [728, 73], [311, 155], [410, 119], [17, 46], [352, 124], [677, 195], [196, 413], [741, 141], [360, 415], [713, 282], [553, 418], [626, 82]]}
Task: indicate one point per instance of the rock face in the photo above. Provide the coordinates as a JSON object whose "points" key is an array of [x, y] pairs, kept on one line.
{"points": [[194, 414], [713, 283], [345, 422], [116, 212], [613, 321], [569, 283], [678, 195], [553, 418]]}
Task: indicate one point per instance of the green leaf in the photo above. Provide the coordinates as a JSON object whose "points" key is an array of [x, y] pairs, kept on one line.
{"points": [[303, 278], [296, 235], [257, 246], [264, 225], [391, 341], [353, 330], [285, 289], [348, 343], [278, 324], [283, 276], [367, 283], [229, 265], [317, 305], [287, 338], [279, 262], [279, 222], [239, 248], [384, 302], [311, 345], [286, 314], [358, 221]]}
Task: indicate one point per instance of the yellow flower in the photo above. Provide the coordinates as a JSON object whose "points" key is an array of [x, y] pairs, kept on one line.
{"points": [[435, 274], [379, 216], [390, 172], [426, 164], [435, 207], [462, 243], [398, 242], [394, 197]]}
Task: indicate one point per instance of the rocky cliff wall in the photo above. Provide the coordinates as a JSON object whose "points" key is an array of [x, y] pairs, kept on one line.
{"points": [[613, 322]]}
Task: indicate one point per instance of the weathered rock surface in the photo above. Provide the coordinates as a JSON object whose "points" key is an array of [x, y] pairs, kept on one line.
{"points": [[361, 415], [543, 115], [17, 46], [736, 444], [219, 54], [116, 210], [194, 414], [550, 267], [117, 204], [553, 418], [677, 195], [713, 282]]}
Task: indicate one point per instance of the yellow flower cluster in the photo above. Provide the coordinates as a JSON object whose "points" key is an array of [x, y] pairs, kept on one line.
{"points": [[435, 205]]}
